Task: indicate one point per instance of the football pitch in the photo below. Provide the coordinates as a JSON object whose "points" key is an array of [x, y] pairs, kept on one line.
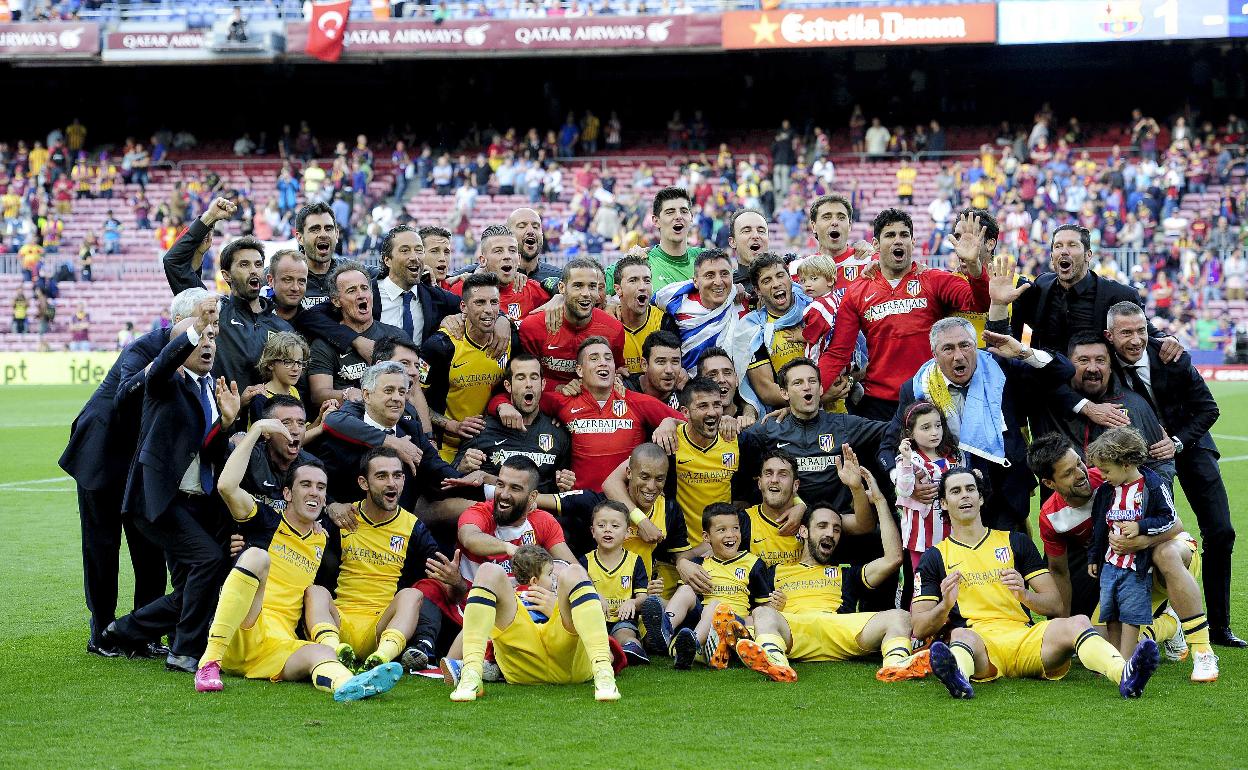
{"points": [[60, 707]]}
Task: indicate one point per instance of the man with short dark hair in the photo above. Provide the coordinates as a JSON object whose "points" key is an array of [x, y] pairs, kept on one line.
{"points": [[661, 370], [640, 318], [831, 222], [337, 375], [768, 338], [580, 285], [671, 259], [705, 308], [316, 230]]}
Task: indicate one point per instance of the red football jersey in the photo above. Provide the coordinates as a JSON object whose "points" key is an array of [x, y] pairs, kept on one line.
{"points": [[896, 321], [848, 268], [538, 528], [558, 353], [515, 304], [1063, 527]]}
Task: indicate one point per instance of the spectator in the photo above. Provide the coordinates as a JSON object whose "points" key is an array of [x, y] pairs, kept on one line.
{"points": [[86, 258], [125, 336], [287, 190], [112, 234], [238, 30], [244, 146], [442, 175], [614, 133], [80, 330], [591, 129], [676, 132], [939, 211], [569, 136], [906, 174], [1235, 276], [142, 211], [313, 181], [782, 159], [21, 308], [877, 139], [935, 139], [45, 310], [857, 130], [76, 136]]}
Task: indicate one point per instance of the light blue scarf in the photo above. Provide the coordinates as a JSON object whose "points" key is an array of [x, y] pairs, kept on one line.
{"points": [[981, 426]]}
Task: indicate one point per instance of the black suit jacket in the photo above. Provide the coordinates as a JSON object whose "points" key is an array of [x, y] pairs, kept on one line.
{"points": [[102, 437], [325, 321], [169, 435], [1180, 397], [1033, 305]]}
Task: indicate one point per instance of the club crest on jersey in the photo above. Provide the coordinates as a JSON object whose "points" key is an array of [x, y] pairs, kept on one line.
{"points": [[618, 407], [396, 543], [513, 309], [625, 580], [850, 272], [825, 442], [545, 442], [319, 552], [1003, 555], [729, 459], [913, 288], [1137, 500], [528, 538], [740, 573], [831, 572]]}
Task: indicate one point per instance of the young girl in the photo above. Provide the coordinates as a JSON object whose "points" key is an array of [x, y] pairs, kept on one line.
{"points": [[282, 362], [926, 452]]}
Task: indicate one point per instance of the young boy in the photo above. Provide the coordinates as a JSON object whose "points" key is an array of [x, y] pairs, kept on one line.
{"points": [[1132, 501], [818, 275], [619, 576], [740, 582]]}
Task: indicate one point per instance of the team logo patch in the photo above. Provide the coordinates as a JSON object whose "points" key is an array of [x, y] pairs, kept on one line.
{"points": [[545, 442], [1003, 555], [729, 459], [913, 288], [513, 310], [618, 408], [396, 543], [740, 573], [528, 538], [831, 572], [625, 580], [825, 442], [850, 272], [319, 552], [1137, 500]]}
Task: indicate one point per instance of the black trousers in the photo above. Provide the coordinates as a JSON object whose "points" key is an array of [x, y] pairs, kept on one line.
{"points": [[195, 539], [1198, 473], [874, 408], [102, 525]]}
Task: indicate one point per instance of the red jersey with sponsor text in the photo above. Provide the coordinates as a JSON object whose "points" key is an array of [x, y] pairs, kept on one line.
{"points": [[558, 353], [515, 304]]}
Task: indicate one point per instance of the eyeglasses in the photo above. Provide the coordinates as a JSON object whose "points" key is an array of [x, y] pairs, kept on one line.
{"points": [[291, 362]]}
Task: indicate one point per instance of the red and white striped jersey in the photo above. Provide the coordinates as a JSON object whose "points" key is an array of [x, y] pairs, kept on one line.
{"points": [[1126, 507]]}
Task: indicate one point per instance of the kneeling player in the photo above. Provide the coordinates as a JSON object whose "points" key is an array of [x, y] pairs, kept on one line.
{"points": [[982, 582], [620, 578], [570, 646], [374, 612], [253, 631], [814, 625]]}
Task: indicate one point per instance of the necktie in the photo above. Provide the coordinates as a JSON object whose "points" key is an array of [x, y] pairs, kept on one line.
{"points": [[957, 394], [205, 403], [389, 432], [409, 326], [1137, 383]]}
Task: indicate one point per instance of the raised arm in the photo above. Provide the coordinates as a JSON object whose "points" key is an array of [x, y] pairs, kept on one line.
{"points": [[241, 504]]}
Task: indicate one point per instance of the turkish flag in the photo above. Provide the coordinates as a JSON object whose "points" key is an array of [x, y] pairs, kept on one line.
{"points": [[326, 28]]}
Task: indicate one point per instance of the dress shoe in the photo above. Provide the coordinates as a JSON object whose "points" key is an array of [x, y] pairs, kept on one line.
{"points": [[148, 650], [1225, 637], [103, 650], [184, 663]]}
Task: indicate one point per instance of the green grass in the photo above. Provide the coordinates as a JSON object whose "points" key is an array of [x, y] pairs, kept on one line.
{"points": [[62, 707]]}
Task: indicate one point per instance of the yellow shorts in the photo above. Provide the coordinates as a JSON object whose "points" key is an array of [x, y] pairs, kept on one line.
{"points": [[540, 653], [360, 631], [261, 652], [1014, 651], [827, 635], [1160, 596], [670, 577]]}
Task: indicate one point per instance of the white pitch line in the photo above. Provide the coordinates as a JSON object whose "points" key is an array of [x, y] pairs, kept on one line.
{"points": [[31, 482], [41, 490], [1228, 437], [1235, 459]]}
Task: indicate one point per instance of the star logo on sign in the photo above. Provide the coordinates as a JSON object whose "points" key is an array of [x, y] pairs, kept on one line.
{"points": [[764, 30]]}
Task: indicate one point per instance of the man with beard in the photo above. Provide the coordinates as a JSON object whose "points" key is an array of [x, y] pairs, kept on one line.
{"points": [[987, 591], [766, 533], [672, 260], [1180, 397], [831, 222], [246, 318], [581, 286], [748, 241], [316, 230], [661, 370], [817, 622], [633, 288], [896, 308], [542, 439], [716, 365], [337, 375], [276, 452], [518, 295], [768, 338], [1095, 383], [287, 277], [374, 611]]}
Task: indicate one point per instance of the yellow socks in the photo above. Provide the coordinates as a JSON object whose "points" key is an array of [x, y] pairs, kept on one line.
{"points": [[237, 595], [1164, 627], [589, 622], [773, 645], [389, 646], [895, 650], [329, 676], [1196, 629], [1097, 654], [965, 658], [479, 616], [326, 634]]}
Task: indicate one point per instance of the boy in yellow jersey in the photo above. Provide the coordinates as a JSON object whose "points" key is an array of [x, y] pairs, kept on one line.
{"points": [[772, 524], [818, 622], [375, 611], [253, 631], [741, 589], [462, 373], [777, 303], [983, 583], [620, 577], [640, 318]]}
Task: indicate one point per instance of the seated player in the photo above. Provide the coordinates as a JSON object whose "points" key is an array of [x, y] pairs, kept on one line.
{"points": [[374, 611], [570, 647], [253, 631], [620, 577], [741, 586], [983, 583], [769, 520], [817, 622]]}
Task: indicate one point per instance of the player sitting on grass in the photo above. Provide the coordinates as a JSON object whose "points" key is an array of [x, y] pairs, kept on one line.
{"points": [[816, 624], [374, 611], [982, 582], [253, 631], [620, 578], [570, 647], [740, 581]]}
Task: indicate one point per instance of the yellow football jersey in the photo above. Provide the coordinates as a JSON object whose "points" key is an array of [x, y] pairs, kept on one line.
{"points": [[702, 477], [981, 594], [786, 345], [742, 582], [373, 560], [618, 584], [766, 541], [634, 339], [818, 588], [461, 379], [293, 562]]}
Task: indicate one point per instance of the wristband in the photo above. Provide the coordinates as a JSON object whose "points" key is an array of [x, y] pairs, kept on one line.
{"points": [[636, 516]]}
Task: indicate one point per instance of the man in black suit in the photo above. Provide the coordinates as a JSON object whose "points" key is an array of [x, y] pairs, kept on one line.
{"points": [[102, 441], [169, 492], [1180, 397]]}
